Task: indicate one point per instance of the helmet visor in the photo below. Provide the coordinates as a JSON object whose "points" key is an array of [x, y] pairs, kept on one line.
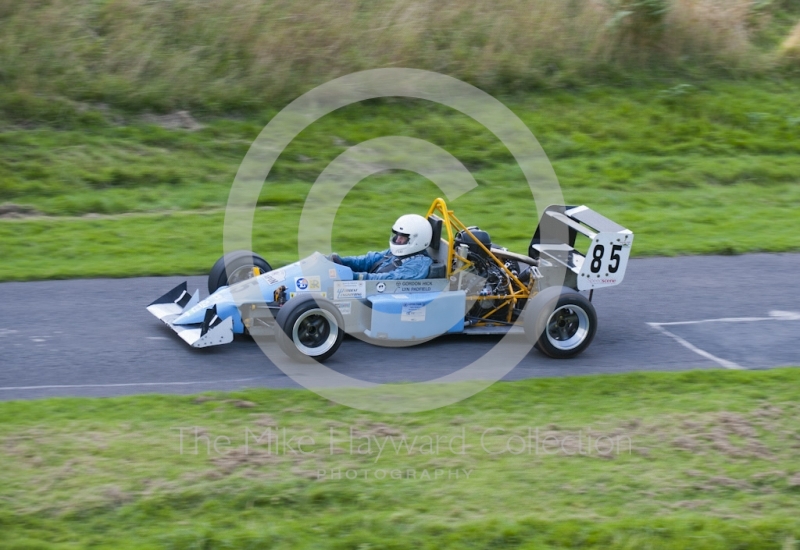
{"points": [[399, 238]]}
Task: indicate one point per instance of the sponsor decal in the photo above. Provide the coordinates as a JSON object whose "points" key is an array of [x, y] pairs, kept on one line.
{"points": [[349, 289], [380, 287], [344, 307], [317, 294], [310, 284], [274, 277], [332, 273], [414, 286], [413, 313]]}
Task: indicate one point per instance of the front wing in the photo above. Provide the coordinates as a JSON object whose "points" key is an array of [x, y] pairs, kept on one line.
{"points": [[213, 331]]}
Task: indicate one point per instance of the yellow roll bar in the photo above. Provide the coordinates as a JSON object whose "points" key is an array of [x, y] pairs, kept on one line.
{"points": [[451, 222]]}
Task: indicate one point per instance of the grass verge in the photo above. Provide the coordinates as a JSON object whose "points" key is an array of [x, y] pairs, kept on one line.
{"points": [[726, 221], [691, 169], [703, 459]]}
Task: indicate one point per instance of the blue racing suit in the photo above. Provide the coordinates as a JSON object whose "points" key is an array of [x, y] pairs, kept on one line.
{"points": [[385, 265]]}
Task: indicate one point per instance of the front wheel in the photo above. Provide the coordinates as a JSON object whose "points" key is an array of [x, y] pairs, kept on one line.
{"points": [[310, 328], [235, 267], [560, 322]]}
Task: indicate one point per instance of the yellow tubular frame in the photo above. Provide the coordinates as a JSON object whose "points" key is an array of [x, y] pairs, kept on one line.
{"points": [[519, 291]]}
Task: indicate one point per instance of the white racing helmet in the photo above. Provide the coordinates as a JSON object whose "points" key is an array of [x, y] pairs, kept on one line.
{"points": [[410, 234]]}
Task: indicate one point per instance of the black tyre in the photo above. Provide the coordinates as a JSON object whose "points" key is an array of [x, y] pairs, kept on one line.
{"points": [[235, 267], [560, 322], [311, 328]]}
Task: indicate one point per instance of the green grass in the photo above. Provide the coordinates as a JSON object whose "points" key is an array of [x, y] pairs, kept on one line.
{"points": [[225, 56], [727, 221], [691, 169], [631, 103], [712, 464]]}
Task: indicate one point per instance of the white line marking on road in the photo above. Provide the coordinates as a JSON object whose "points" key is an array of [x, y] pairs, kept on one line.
{"points": [[718, 360], [785, 315], [71, 386], [773, 316]]}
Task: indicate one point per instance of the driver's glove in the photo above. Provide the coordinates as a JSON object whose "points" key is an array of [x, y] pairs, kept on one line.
{"points": [[335, 258], [359, 276]]}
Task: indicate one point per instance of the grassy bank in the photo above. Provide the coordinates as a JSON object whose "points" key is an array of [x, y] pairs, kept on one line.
{"points": [[707, 168], [728, 221], [223, 55], [700, 459]]}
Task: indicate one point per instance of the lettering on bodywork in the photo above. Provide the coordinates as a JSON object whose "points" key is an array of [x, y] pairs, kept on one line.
{"points": [[413, 313], [315, 294], [414, 286], [349, 289], [276, 276], [345, 308]]}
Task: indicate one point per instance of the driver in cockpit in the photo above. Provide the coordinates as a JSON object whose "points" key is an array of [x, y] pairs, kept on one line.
{"points": [[406, 257]]}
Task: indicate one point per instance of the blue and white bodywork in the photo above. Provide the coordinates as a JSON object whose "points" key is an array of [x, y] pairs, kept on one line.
{"points": [[387, 310]]}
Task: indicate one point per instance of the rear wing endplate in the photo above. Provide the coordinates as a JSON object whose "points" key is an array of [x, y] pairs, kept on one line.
{"points": [[605, 261]]}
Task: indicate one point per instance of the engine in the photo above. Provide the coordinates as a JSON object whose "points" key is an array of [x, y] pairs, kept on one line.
{"points": [[484, 279]]}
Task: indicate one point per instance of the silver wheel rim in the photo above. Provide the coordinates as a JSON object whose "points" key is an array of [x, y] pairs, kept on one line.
{"points": [[315, 332], [567, 327]]}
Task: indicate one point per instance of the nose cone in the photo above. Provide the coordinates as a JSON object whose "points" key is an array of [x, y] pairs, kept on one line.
{"points": [[196, 314]]}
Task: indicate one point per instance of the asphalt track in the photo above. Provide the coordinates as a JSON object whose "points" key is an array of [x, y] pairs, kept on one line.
{"points": [[94, 337]]}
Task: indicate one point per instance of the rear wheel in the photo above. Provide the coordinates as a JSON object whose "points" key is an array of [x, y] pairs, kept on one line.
{"points": [[561, 322], [310, 328], [235, 267]]}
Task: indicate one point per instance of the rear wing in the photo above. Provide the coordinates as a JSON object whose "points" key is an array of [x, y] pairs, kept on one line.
{"points": [[604, 263]]}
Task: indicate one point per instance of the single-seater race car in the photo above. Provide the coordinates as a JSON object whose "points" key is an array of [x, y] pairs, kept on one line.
{"points": [[473, 287]]}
